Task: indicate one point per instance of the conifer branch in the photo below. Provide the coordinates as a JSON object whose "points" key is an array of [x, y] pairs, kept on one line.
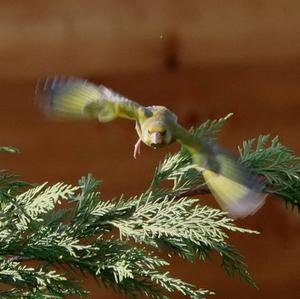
{"points": [[95, 236], [193, 192]]}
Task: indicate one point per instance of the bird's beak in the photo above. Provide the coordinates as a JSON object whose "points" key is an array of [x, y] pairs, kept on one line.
{"points": [[156, 139]]}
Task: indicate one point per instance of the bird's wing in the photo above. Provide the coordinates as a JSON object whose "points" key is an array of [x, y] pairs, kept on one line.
{"points": [[237, 190], [79, 98]]}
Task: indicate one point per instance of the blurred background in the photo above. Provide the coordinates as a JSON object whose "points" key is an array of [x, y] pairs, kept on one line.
{"points": [[202, 59]]}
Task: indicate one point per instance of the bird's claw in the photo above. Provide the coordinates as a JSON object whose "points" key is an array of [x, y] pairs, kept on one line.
{"points": [[137, 148]]}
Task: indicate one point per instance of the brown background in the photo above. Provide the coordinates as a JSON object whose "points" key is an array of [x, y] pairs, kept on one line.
{"points": [[203, 59]]}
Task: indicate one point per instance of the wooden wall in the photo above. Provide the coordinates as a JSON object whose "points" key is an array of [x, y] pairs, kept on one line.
{"points": [[114, 36], [203, 59]]}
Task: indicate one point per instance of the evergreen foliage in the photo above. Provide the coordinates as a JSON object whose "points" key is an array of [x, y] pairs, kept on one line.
{"points": [[44, 247], [277, 164]]}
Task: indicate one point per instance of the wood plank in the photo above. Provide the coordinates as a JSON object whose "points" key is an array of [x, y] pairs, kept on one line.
{"points": [[110, 37]]}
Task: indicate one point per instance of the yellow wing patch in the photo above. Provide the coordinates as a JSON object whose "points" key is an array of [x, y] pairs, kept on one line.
{"points": [[237, 199], [63, 97]]}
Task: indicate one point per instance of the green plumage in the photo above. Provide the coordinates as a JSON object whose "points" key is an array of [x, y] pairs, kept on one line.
{"points": [[236, 189]]}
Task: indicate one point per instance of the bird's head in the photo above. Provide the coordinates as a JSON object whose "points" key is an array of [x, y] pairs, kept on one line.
{"points": [[156, 134]]}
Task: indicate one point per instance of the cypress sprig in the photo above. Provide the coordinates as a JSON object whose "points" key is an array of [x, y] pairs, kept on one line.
{"points": [[277, 164], [118, 241]]}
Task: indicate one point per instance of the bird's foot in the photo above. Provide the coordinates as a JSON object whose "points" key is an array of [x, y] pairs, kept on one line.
{"points": [[137, 148]]}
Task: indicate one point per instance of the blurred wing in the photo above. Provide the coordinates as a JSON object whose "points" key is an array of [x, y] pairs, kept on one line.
{"points": [[237, 190], [78, 98], [67, 97]]}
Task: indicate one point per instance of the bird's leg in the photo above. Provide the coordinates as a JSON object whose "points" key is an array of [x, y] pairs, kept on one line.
{"points": [[137, 148]]}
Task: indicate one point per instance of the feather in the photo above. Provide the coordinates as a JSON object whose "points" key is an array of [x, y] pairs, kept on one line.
{"points": [[234, 197], [69, 97]]}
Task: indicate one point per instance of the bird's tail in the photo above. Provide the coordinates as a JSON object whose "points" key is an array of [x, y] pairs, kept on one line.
{"points": [[73, 97], [237, 190]]}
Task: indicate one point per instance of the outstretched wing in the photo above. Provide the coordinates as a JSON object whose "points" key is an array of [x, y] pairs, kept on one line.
{"points": [[74, 97], [237, 190]]}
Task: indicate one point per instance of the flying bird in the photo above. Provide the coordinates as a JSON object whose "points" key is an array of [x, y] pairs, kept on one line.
{"points": [[236, 189]]}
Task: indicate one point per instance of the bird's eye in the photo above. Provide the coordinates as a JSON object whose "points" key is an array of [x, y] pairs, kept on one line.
{"points": [[163, 132]]}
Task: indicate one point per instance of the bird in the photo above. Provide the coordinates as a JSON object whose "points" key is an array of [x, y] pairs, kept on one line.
{"points": [[237, 190]]}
